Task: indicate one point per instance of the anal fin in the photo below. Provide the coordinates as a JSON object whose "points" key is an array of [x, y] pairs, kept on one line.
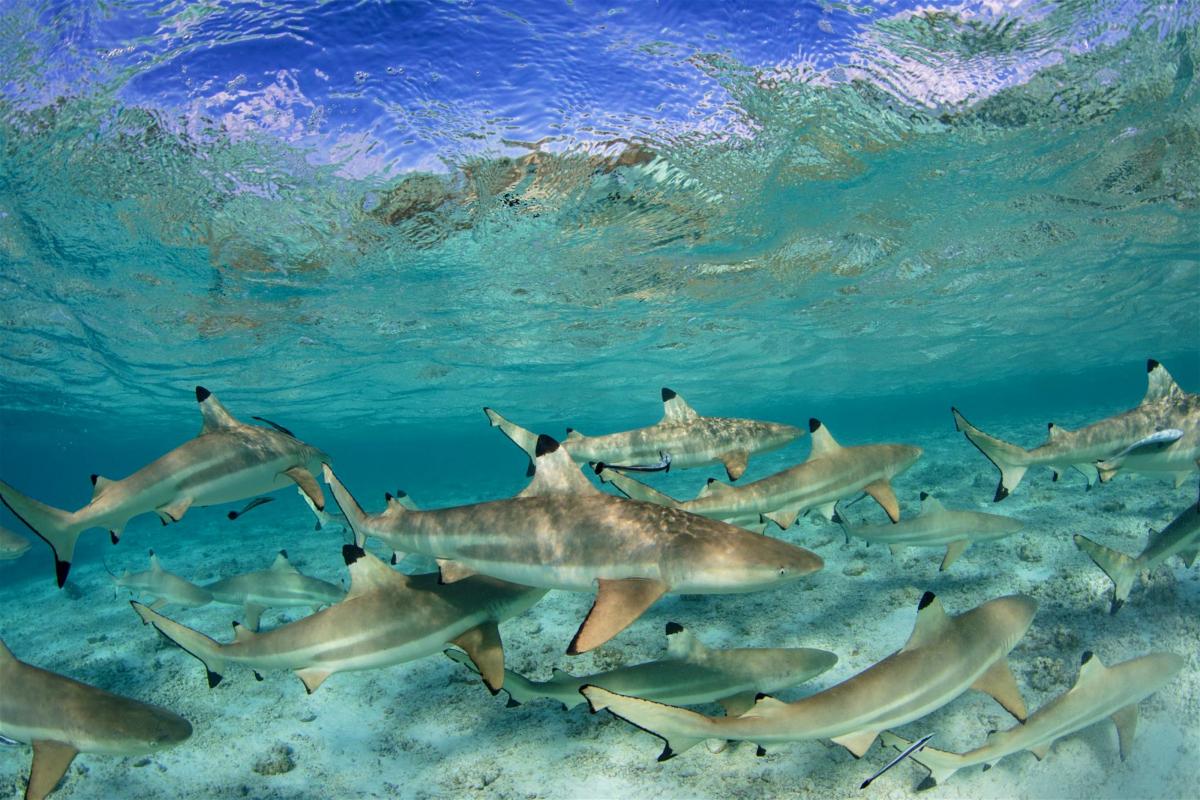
{"points": [[618, 603], [50, 762]]}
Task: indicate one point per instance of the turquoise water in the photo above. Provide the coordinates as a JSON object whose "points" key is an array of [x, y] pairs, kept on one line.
{"points": [[368, 221]]}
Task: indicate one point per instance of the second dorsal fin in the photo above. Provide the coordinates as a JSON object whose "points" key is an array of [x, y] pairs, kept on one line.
{"points": [[555, 472], [681, 644]]}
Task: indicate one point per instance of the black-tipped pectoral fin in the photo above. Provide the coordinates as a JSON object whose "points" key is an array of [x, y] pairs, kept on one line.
{"points": [[486, 651], [174, 510], [999, 682], [953, 551], [858, 742], [312, 677], [735, 463], [50, 762], [308, 484], [1126, 722], [618, 603], [881, 490]]}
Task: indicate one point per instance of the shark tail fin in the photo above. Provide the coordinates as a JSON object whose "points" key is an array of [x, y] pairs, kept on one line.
{"points": [[634, 489], [1012, 461], [1120, 568], [941, 765], [193, 642], [680, 728], [522, 438], [60, 529], [355, 516]]}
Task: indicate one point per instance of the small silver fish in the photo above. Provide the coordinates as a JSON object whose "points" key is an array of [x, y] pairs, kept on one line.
{"points": [[919, 744]]}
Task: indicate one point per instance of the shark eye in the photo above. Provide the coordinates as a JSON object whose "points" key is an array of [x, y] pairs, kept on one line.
{"points": [[782, 571]]}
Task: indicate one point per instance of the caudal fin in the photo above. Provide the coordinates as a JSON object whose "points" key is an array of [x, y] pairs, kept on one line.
{"points": [[1012, 461], [193, 642], [60, 529], [633, 489], [355, 516], [1120, 568], [522, 438]]}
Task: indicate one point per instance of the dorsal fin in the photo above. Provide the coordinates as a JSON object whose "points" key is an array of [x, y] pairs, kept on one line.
{"points": [[400, 501], [931, 622], [823, 442], [555, 472], [560, 675], [155, 564], [368, 573], [675, 408], [573, 435], [1090, 669], [281, 563], [242, 634], [714, 486], [681, 644], [100, 484], [930, 504], [214, 414], [764, 702], [1159, 383], [1055, 433]]}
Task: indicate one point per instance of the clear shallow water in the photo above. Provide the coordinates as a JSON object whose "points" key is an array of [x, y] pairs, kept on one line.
{"points": [[367, 221]]}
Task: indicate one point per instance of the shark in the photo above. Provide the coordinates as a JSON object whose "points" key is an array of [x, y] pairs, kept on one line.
{"points": [[12, 545], [689, 439], [279, 586], [62, 717], [561, 532], [1165, 407], [386, 618], [831, 473], [936, 526], [1099, 692], [167, 587], [226, 462], [1181, 537], [689, 674], [943, 657]]}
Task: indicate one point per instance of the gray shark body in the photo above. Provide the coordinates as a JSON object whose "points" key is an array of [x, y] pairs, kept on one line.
{"points": [[1099, 692], [62, 717], [167, 588], [563, 533], [228, 461], [689, 674], [280, 586], [943, 658], [386, 618], [936, 526], [12, 545], [689, 439], [831, 473], [1164, 407]]}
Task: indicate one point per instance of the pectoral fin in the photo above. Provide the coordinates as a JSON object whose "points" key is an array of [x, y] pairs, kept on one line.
{"points": [[1041, 750], [482, 643], [1189, 556], [783, 517], [50, 763], [953, 551], [253, 615], [1126, 721], [452, 571], [999, 682], [858, 742], [312, 677], [174, 510], [735, 463], [881, 490], [308, 485], [618, 603]]}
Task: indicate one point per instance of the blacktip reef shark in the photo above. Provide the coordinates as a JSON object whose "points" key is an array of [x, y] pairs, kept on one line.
{"points": [[279, 586], [62, 717], [166, 587], [1181, 536], [12, 545], [935, 526], [689, 674], [831, 473], [944, 657], [386, 618], [226, 462], [1099, 692], [561, 532], [690, 439], [1165, 410]]}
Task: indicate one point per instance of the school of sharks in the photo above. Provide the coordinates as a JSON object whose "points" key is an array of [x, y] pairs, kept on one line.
{"points": [[584, 523]]}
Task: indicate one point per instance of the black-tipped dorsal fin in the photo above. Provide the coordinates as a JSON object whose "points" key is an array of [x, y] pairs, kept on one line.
{"points": [[823, 442], [100, 484], [930, 504], [931, 622], [555, 472], [242, 634], [681, 644], [1055, 433], [1159, 383], [1090, 669], [155, 564], [214, 414], [281, 563], [675, 408], [368, 573]]}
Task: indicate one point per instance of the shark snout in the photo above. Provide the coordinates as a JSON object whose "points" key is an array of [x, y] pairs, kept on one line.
{"points": [[171, 729]]}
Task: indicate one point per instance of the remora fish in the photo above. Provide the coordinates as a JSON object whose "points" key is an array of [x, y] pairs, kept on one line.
{"points": [[692, 440], [1098, 692], [62, 717], [279, 586], [561, 532], [386, 618], [831, 473], [1181, 537], [935, 526], [944, 657], [12, 545], [1165, 406], [662, 465], [167, 587], [1154, 454], [228, 461], [689, 674]]}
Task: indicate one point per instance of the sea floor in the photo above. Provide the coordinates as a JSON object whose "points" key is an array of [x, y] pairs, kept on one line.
{"points": [[430, 728]]}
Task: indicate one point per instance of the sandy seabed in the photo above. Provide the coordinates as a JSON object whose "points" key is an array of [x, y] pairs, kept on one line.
{"points": [[430, 729]]}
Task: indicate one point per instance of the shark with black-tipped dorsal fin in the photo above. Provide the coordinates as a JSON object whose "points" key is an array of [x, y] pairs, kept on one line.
{"points": [[561, 532], [689, 674], [12, 545], [682, 439], [831, 473], [166, 587], [1181, 537], [935, 526], [386, 618], [943, 658], [1099, 692], [226, 462], [1133, 439], [279, 586], [62, 717]]}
